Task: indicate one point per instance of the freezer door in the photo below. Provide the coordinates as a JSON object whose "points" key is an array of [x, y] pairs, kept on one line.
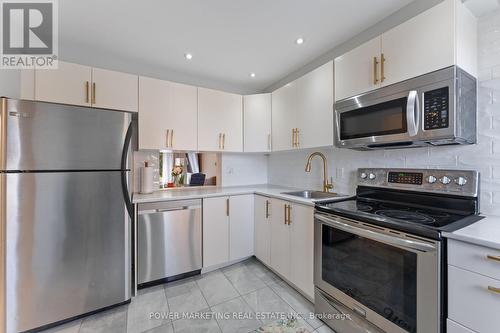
{"points": [[46, 136], [67, 245]]}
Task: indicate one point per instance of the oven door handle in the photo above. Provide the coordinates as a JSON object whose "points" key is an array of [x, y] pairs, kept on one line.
{"points": [[412, 113], [391, 240]]}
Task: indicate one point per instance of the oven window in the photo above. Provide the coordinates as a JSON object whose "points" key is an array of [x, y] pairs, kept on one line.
{"points": [[380, 119], [379, 276]]}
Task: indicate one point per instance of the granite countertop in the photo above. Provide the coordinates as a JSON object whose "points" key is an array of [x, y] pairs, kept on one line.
{"points": [[485, 232], [218, 191]]}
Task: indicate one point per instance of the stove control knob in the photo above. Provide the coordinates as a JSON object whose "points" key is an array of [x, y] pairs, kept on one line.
{"points": [[363, 175], [461, 181], [372, 176], [445, 180], [431, 179]]}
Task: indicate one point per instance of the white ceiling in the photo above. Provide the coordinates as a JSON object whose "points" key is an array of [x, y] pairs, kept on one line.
{"points": [[228, 38]]}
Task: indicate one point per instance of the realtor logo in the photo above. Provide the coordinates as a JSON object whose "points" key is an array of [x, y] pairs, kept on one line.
{"points": [[29, 34]]}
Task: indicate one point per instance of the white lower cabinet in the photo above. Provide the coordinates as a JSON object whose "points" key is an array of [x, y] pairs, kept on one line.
{"points": [[241, 226], [473, 288], [262, 241], [215, 231], [228, 228], [302, 247], [291, 240], [280, 238]]}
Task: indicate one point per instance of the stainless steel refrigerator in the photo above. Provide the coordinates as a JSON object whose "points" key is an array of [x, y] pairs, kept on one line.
{"points": [[65, 211]]}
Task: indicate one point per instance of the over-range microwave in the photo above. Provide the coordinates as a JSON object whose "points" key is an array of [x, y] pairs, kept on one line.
{"points": [[439, 108]]}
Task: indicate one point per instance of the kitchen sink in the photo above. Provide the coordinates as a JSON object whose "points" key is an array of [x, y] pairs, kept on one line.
{"points": [[314, 195]]}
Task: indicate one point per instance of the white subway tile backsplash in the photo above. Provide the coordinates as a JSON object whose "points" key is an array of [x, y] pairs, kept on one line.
{"points": [[286, 168]]}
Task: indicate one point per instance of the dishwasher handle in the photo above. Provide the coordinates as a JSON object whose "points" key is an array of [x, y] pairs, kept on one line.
{"points": [[165, 207]]}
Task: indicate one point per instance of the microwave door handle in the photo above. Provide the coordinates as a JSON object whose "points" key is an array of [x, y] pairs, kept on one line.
{"points": [[412, 113]]}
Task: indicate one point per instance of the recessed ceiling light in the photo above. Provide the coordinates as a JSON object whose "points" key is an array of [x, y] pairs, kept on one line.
{"points": [[188, 56], [252, 74], [299, 41]]}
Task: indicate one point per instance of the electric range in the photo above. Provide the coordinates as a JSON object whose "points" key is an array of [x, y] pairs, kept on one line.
{"points": [[380, 257]]}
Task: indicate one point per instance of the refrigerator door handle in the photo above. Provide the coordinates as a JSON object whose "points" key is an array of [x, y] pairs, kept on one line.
{"points": [[126, 193]]}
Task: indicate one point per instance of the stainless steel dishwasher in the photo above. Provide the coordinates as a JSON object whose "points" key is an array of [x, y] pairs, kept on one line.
{"points": [[168, 240]]}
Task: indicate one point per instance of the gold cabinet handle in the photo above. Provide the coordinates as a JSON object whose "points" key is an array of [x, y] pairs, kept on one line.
{"points": [[227, 207], [297, 141], [494, 289], [286, 218], [220, 140], [375, 75], [223, 141], [382, 63], [267, 209], [87, 91], [171, 138], [494, 258], [93, 92], [167, 137], [289, 214]]}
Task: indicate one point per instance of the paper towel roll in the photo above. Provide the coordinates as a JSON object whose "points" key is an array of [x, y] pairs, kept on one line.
{"points": [[147, 185]]}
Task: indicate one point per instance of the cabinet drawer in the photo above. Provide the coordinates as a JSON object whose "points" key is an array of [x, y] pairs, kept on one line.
{"points": [[452, 327], [479, 259], [471, 303]]}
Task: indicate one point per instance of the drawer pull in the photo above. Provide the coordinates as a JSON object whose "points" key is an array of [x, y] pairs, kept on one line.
{"points": [[495, 258], [493, 289]]}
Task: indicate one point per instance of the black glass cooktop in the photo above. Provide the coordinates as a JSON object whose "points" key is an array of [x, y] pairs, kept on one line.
{"points": [[419, 214], [427, 217]]}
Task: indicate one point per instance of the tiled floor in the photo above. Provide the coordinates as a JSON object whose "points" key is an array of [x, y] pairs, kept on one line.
{"points": [[246, 289]]}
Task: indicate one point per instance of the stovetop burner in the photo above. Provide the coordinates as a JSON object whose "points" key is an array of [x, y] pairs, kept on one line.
{"points": [[414, 217]]}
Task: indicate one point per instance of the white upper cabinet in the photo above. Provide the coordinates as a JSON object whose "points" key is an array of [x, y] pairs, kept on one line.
{"points": [[302, 111], [69, 84], [315, 108], [86, 86], [257, 123], [167, 115], [356, 71], [284, 115], [220, 121], [114, 90], [440, 37]]}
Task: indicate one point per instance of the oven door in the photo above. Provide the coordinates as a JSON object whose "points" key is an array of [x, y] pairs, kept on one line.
{"points": [[372, 122], [390, 279]]}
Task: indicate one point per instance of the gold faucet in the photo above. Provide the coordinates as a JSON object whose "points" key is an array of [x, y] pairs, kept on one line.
{"points": [[326, 186]]}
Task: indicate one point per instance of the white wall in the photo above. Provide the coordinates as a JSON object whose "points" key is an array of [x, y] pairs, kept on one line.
{"points": [[287, 168], [244, 169]]}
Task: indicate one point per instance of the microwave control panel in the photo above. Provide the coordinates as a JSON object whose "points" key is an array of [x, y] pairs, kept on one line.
{"points": [[436, 109]]}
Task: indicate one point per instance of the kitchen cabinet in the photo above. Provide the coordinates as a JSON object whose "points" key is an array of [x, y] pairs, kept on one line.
{"points": [[452, 327], [292, 243], [241, 226], [69, 84], [442, 36], [228, 229], [257, 123], [114, 90], [284, 110], [220, 121], [301, 225], [262, 244], [86, 86], [315, 107], [168, 114], [215, 231], [302, 111], [356, 70], [280, 238], [473, 279]]}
